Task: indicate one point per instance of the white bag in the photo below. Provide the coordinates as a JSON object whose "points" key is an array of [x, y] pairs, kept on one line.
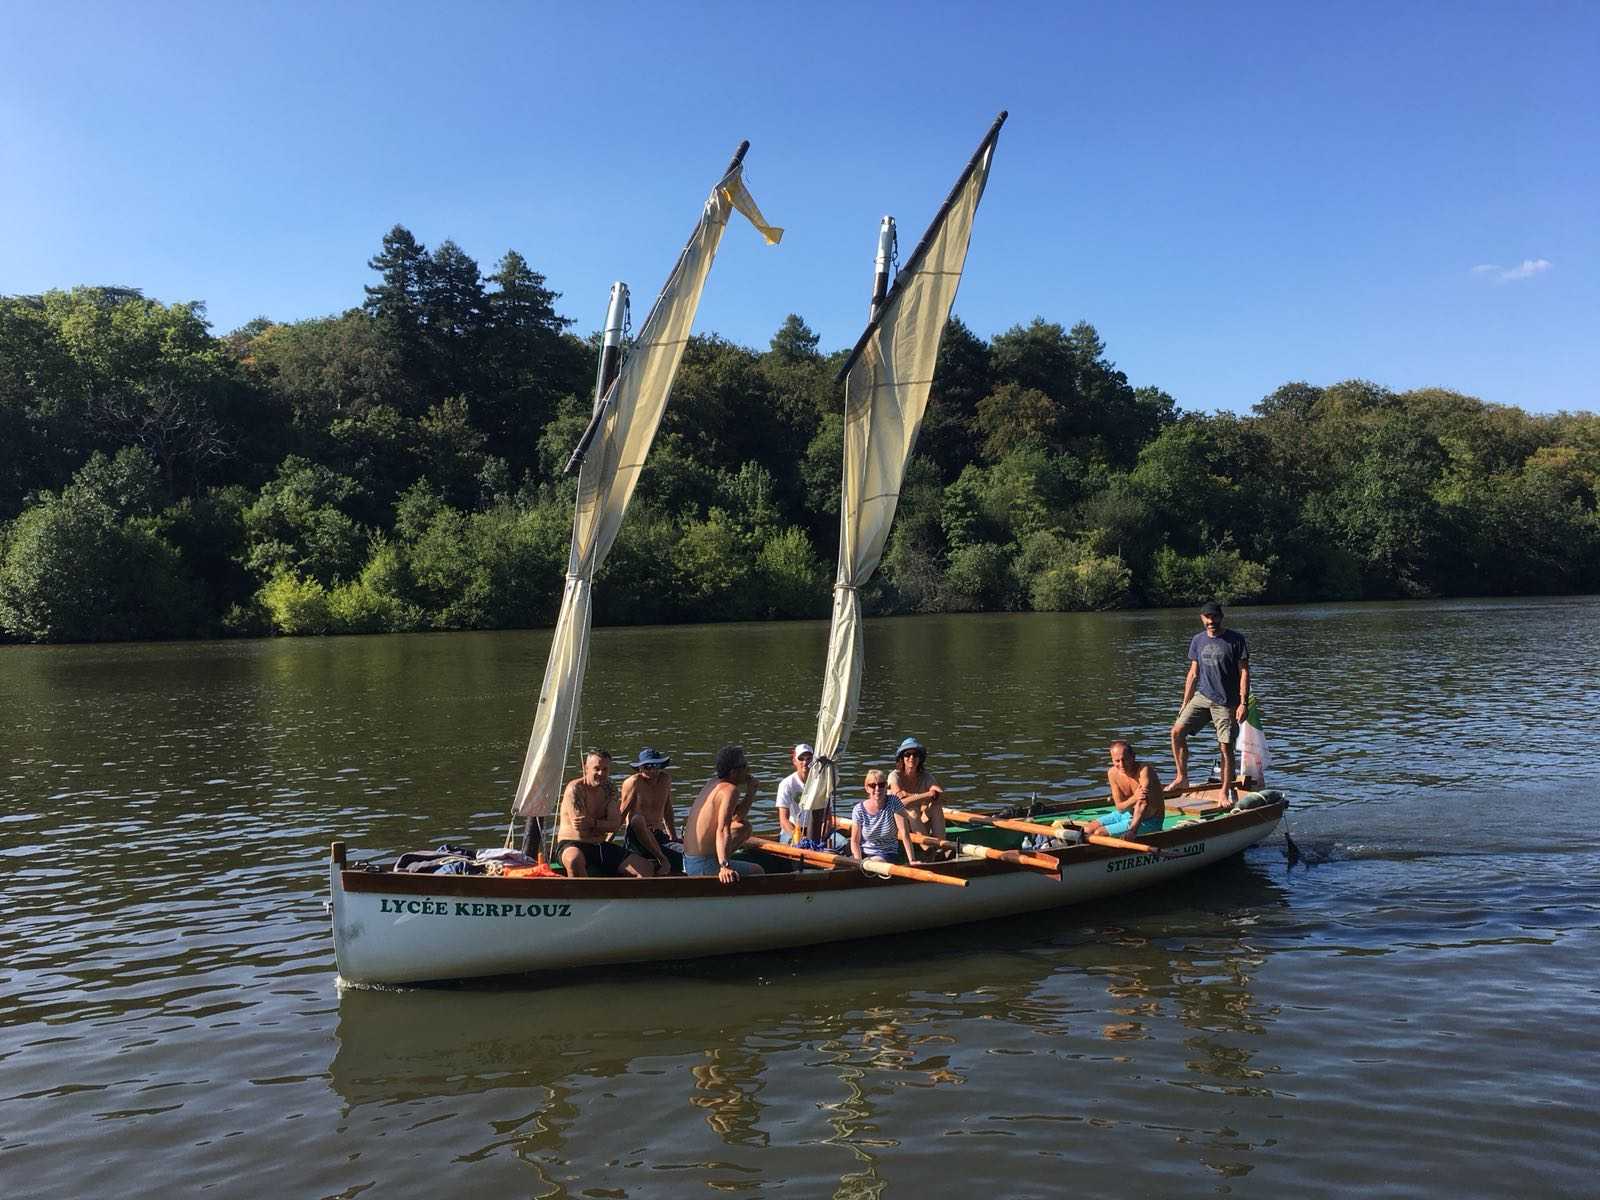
{"points": [[1254, 757]]}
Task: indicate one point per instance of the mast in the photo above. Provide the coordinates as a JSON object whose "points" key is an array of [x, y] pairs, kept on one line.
{"points": [[887, 378], [631, 395], [908, 272], [605, 373], [606, 370], [611, 342], [887, 242], [816, 819]]}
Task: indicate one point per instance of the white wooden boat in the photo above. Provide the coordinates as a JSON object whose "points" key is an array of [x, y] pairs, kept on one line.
{"points": [[392, 927]]}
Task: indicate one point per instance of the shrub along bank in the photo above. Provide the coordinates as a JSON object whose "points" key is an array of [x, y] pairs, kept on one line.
{"points": [[396, 467]]}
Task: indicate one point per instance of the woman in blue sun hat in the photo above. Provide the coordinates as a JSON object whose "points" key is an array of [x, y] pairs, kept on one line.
{"points": [[916, 788]]}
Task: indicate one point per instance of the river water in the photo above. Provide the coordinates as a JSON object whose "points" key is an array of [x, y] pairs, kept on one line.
{"points": [[1408, 1009]]}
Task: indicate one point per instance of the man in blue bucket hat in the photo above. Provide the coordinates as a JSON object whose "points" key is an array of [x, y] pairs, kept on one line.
{"points": [[647, 812]]}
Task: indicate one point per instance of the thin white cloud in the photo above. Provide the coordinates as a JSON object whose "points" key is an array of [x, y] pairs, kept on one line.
{"points": [[1526, 269]]}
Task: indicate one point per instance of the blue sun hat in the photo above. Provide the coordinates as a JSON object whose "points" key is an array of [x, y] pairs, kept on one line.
{"points": [[649, 757], [912, 746]]}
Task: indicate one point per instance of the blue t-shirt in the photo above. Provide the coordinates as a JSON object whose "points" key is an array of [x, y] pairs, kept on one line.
{"points": [[1220, 658]]}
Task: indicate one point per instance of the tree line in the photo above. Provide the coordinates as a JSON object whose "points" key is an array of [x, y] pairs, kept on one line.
{"points": [[397, 467]]}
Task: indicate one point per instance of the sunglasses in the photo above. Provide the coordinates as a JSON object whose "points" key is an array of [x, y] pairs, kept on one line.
{"points": [[876, 787]]}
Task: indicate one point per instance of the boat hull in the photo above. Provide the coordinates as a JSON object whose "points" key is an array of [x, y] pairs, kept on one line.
{"points": [[391, 928]]}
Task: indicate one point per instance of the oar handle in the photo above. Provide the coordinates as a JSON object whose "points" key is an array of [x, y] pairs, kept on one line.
{"points": [[822, 857], [817, 858], [1100, 839], [971, 818]]}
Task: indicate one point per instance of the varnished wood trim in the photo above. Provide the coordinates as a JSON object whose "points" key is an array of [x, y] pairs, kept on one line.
{"points": [[776, 884]]}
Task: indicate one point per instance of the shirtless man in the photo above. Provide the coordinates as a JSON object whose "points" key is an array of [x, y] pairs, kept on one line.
{"points": [[647, 811], [1136, 791], [718, 821], [589, 815]]}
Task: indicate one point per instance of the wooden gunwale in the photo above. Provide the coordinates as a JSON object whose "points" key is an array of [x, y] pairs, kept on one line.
{"points": [[499, 887]]}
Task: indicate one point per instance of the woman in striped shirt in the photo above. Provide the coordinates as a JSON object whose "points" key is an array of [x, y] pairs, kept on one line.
{"points": [[878, 827]]}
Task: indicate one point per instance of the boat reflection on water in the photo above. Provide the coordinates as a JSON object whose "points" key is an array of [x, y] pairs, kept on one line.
{"points": [[845, 1057]]}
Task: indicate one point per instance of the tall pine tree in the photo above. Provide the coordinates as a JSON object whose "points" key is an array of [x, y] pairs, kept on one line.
{"points": [[530, 364], [397, 300]]}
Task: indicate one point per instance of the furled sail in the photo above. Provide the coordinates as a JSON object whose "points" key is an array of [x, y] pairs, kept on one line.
{"points": [[625, 428], [887, 378]]}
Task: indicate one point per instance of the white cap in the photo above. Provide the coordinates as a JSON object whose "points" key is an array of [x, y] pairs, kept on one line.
{"points": [[804, 748]]}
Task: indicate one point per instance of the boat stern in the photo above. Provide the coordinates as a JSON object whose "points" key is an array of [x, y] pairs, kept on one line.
{"points": [[338, 908]]}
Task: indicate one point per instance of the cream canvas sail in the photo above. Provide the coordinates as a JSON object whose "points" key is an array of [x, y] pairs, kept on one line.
{"points": [[886, 393], [610, 471]]}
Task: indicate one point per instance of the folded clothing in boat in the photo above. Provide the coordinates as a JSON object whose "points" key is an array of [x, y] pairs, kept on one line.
{"points": [[1066, 835], [504, 861], [506, 856], [446, 860]]}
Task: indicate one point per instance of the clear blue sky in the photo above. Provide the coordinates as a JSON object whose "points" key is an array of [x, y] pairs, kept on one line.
{"points": [[1235, 195]]}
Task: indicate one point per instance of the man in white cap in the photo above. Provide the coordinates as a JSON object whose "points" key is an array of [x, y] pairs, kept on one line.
{"points": [[790, 818]]}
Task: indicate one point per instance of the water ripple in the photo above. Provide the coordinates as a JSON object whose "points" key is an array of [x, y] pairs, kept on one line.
{"points": [[166, 969]]}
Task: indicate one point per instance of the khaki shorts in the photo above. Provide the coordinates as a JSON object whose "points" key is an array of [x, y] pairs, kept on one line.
{"points": [[1198, 710]]}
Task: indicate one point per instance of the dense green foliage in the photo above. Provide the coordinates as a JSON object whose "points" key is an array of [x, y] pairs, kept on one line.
{"points": [[397, 467]]}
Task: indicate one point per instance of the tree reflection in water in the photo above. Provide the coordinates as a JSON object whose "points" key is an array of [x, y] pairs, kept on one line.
{"points": [[727, 1085]]}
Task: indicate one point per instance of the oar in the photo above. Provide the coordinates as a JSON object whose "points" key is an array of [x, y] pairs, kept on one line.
{"points": [[821, 858], [1175, 800], [1021, 858], [1099, 839]]}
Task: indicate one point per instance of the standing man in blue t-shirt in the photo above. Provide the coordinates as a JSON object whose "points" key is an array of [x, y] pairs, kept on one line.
{"points": [[1217, 688]]}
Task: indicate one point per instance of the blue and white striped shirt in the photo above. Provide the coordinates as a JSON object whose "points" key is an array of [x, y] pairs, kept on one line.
{"points": [[878, 836]]}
